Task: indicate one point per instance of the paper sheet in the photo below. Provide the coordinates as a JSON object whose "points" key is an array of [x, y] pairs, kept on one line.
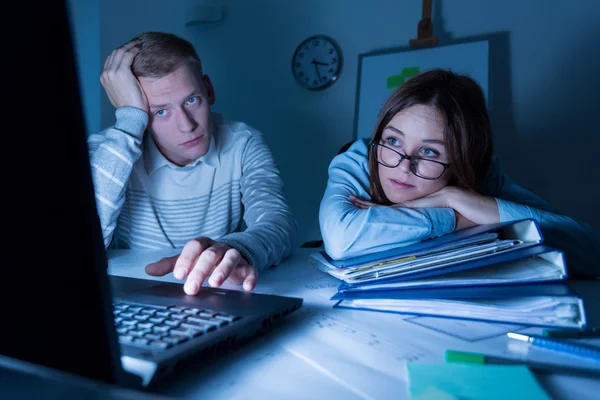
{"points": [[324, 353], [471, 331]]}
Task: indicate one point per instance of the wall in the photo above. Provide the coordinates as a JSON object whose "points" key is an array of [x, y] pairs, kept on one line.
{"points": [[544, 91], [85, 25]]}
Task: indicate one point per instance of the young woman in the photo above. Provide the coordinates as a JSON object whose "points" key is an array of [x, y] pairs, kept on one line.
{"points": [[429, 170]]}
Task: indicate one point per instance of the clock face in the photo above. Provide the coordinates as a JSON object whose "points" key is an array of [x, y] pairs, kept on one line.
{"points": [[317, 62]]}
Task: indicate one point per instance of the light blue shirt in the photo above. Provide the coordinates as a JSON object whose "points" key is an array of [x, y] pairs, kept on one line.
{"points": [[349, 232]]}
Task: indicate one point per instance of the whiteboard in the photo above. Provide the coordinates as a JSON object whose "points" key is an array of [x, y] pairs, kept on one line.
{"points": [[380, 73]]}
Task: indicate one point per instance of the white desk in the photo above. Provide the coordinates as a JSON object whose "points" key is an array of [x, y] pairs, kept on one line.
{"points": [[323, 353]]}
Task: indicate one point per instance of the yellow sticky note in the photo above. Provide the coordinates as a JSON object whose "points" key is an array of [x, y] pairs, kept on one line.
{"points": [[474, 382]]}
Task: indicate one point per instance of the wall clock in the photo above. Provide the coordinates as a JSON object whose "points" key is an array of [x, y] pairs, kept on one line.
{"points": [[317, 62]]}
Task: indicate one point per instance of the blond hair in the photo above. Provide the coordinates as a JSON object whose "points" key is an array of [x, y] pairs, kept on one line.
{"points": [[161, 53]]}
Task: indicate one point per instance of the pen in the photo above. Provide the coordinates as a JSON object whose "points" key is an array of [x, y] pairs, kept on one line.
{"points": [[559, 345], [453, 356], [571, 334]]}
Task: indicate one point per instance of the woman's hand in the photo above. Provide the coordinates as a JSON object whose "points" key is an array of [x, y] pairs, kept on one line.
{"points": [[474, 207], [470, 208]]}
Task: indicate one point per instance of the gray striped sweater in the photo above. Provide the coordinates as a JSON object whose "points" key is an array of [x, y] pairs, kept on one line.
{"points": [[233, 194]]}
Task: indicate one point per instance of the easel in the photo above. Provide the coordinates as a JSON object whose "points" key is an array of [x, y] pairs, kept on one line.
{"points": [[425, 35]]}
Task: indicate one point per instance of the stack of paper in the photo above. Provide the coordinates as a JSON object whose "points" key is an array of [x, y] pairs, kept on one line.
{"points": [[501, 272], [495, 254]]}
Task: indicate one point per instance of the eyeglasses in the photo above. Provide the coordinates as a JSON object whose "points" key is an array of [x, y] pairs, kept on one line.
{"points": [[421, 167]]}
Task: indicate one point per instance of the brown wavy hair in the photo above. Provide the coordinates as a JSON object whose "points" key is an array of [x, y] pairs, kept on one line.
{"points": [[460, 102]]}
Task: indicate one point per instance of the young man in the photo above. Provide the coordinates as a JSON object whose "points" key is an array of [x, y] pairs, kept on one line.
{"points": [[172, 173]]}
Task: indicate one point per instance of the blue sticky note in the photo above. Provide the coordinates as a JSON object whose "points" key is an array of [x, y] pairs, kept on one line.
{"points": [[473, 382]]}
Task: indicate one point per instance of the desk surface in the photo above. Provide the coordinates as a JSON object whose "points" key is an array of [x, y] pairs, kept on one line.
{"points": [[319, 352]]}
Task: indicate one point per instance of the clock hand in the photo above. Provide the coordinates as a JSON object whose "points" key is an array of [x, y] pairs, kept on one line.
{"points": [[319, 63], [317, 68]]}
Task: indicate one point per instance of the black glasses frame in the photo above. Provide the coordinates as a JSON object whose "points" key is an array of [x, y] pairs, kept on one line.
{"points": [[412, 160]]}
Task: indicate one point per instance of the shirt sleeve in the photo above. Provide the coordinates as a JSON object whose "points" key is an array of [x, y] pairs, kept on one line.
{"points": [[271, 232], [349, 232], [579, 241], [112, 154]]}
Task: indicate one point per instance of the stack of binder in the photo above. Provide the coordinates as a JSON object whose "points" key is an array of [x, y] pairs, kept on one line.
{"points": [[500, 272]]}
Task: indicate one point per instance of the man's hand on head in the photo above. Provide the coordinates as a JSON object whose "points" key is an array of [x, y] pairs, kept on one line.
{"points": [[204, 257], [121, 86]]}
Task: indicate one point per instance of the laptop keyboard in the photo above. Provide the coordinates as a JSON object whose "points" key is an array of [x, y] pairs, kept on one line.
{"points": [[159, 327]]}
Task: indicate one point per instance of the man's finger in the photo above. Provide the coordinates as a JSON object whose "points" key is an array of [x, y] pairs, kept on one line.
{"points": [[161, 267], [190, 253], [127, 58], [107, 61], [222, 271], [239, 274], [203, 267], [118, 58], [251, 278]]}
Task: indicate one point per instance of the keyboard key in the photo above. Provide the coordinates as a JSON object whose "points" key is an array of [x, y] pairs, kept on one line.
{"points": [[172, 322], [228, 318], [185, 332], [179, 316], [140, 317], [123, 329], [141, 341], [155, 320], [126, 314], [177, 308], [199, 327], [152, 336], [207, 314], [174, 339], [163, 313], [129, 322], [139, 332], [161, 329], [159, 344], [148, 311], [192, 311], [235, 317], [134, 309], [207, 321], [144, 325]]}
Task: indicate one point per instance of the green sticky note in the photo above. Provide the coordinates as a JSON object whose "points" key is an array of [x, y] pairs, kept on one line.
{"points": [[473, 382], [394, 81], [461, 356]]}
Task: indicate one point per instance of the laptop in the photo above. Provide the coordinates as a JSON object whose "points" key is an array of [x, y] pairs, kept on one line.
{"points": [[62, 309]]}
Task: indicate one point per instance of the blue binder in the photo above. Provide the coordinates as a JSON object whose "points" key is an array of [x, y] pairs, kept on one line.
{"points": [[577, 303], [418, 279], [525, 228]]}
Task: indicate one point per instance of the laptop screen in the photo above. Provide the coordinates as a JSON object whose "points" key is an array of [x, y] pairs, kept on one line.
{"points": [[55, 291]]}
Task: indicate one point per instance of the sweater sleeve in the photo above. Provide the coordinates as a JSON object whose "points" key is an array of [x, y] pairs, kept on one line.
{"points": [[579, 241], [271, 230], [112, 154]]}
